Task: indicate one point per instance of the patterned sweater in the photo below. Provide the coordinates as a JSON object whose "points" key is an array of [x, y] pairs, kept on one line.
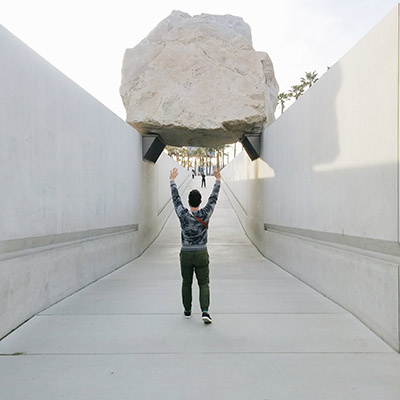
{"points": [[193, 232]]}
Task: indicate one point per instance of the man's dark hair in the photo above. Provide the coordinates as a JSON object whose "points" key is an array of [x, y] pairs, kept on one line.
{"points": [[194, 198]]}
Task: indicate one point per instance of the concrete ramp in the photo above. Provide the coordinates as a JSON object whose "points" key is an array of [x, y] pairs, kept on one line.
{"points": [[124, 337]]}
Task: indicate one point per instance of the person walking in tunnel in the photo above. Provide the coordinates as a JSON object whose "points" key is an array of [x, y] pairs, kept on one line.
{"points": [[194, 255], [203, 179]]}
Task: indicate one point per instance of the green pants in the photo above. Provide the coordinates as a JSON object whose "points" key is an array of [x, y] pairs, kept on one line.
{"points": [[197, 262]]}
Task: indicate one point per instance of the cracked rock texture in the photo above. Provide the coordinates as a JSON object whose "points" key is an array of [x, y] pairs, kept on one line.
{"points": [[198, 81]]}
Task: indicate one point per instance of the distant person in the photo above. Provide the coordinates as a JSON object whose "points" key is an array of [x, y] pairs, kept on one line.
{"points": [[194, 255], [203, 179], [192, 173]]}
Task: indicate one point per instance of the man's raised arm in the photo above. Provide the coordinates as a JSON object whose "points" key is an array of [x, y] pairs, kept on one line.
{"points": [[212, 200], [176, 199], [217, 174]]}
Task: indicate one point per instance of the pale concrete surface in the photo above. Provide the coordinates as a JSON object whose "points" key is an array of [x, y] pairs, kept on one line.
{"points": [[72, 170], [124, 337], [329, 166]]}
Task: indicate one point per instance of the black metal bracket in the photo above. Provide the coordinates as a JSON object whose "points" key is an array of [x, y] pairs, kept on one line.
{"points": [[152, 146], [252, 144]]}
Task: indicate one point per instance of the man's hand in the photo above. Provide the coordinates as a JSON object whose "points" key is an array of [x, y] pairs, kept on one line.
{"points": [[217, 174], [173, 174]]}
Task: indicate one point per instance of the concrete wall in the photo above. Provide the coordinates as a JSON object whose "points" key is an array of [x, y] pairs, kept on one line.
{"points": [[76, 199], [323, 200]]}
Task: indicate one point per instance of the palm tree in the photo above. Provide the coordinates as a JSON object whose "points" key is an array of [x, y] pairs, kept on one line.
{"points": [[198, 155], [195, 154], [185, 156], [225, 154], [210, 152], [173, 152], [310, 79], [181, 156], [218, 150], [189, 152], [170, 150], [296, 91], [203, 156], [282, 97]]}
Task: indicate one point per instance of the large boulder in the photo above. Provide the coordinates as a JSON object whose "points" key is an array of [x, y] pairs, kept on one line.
{"points": [[198, 81]]}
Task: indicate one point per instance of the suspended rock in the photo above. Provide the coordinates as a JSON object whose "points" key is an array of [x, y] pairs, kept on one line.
{"points": [[198, 81]]}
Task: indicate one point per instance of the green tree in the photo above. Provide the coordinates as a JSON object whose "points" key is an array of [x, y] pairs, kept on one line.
{"points": [[296, 91], [201, 154], [309, 79], [210, 151], [180, 156], [282, 97], [173, 152]]}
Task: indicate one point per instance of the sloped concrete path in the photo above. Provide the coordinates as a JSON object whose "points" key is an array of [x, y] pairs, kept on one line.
{"points": [[124, 337]]}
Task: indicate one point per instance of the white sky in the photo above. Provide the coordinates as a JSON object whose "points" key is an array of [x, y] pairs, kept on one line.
{"points": [[86, 39]]}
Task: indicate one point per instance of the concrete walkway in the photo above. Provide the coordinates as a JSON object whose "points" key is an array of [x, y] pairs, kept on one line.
{"points": [[124, 337]]}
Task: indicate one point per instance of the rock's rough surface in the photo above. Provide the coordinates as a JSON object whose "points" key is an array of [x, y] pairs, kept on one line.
{"points": [[198, 81]]}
